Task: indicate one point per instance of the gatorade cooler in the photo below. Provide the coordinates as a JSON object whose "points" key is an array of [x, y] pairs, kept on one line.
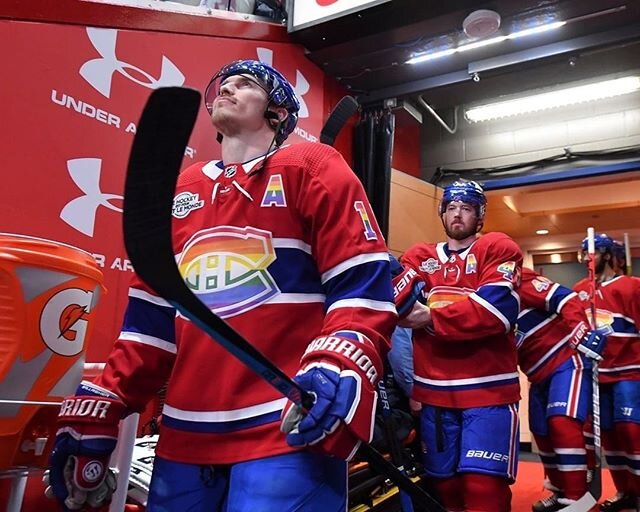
{"points": [[48, 294]]}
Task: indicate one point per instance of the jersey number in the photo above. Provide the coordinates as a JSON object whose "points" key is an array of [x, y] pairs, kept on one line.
{"points": [[369, 232]]}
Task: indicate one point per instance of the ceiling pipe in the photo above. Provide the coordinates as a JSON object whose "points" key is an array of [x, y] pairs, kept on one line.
{"points": [[453, 130]]}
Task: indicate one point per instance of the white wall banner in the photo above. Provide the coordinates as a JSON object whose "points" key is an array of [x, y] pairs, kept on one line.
{"points": [[306, 13]]}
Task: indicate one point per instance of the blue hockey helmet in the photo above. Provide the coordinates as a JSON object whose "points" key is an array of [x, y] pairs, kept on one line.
{"points": [[279, 91], [618, 250], [603, 243], [465, 191]]}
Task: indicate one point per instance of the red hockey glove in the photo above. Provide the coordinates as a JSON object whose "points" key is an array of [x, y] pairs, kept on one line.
{"points": [[341, 372], [79, 471]]}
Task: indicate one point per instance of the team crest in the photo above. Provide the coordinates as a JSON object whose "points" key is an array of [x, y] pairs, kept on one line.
{"points": [[274, 193], [430, 266], [472, 264], [227, 268], [184, 203]]}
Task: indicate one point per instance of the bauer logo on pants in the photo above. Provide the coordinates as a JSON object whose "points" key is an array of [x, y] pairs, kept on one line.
{"points": [[63, 321]]}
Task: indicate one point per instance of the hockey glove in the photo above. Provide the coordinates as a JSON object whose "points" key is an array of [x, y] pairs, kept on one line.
{"points": [[79, 471], [593, 343], [341, 372]]}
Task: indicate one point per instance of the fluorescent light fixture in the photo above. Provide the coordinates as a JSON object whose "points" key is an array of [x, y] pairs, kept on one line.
{"points": [[542, 232], [536, 30], [486, 42], [554, 99]]}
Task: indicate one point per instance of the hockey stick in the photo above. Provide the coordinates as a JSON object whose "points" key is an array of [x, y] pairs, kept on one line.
{"points": [[339, 116], [595, 488], [154, 164]]}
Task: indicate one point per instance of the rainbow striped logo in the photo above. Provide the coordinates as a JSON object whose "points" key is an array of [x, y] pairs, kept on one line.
{"points": [[472, 264], [227, 268], [274, 193]]}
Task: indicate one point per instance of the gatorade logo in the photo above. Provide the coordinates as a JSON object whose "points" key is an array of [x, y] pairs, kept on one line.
{"points": [[64, 321]]}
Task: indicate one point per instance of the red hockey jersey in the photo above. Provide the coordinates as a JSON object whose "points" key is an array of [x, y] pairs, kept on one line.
{"points": [[551, 322], [617, 306], [468, 359], [284, 249]]}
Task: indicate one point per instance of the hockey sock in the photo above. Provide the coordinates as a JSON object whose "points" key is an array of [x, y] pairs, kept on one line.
{"points": [[629, 436], [615, 461], [548, 458], [569, 447], [449, 491], [484, 493]]}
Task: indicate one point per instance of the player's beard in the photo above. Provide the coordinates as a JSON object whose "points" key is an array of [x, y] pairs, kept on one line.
{"points": [[460, 231], [601, 264]]}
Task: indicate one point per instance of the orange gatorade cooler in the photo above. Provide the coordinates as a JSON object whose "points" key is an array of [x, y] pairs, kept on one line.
{"points": [[48, 294]]}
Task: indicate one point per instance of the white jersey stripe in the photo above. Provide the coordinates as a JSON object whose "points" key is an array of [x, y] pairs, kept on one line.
{"points": [[466, 382], [375, 305], [353, 262], [224, 416], [154, 299], [145, 339]]}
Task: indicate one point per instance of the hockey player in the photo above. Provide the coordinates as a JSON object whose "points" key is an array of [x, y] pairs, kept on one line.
{"points": [[464, 353], [552, 323], [617, 302], [281, 242]]}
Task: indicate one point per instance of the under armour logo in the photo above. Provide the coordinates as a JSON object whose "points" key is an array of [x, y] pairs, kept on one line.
{"points": [[301, 86], [80, 213], [99, 72]]}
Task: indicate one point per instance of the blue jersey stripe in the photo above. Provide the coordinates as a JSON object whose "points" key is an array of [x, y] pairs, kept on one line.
{"points": [[369, 281], [144, 317], [502, 299], [623, 326], [531, 319], [557, 298], [295, 271]]}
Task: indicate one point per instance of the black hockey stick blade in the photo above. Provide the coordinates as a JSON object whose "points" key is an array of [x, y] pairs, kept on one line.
{"points": [[339, 116], [154, 164]]}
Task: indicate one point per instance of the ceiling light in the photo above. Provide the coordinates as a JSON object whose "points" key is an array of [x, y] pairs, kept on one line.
{"points": [[554, 99], [431, 55], [537, 30], [542, 232]]}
